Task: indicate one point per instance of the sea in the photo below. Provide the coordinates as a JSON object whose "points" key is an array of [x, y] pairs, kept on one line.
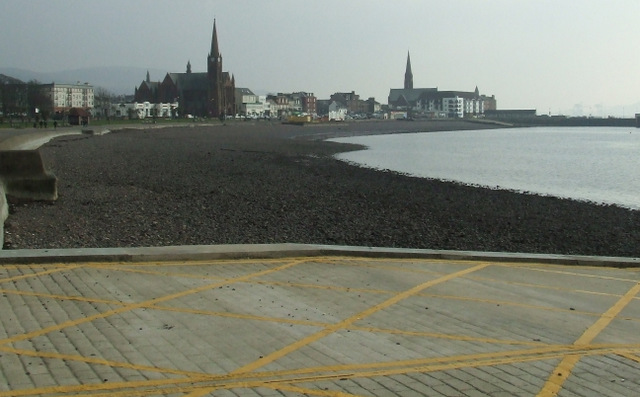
{"points": [[595, 164]]}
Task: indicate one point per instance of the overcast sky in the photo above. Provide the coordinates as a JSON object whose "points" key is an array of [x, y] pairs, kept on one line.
{"points": [[554, 55]]}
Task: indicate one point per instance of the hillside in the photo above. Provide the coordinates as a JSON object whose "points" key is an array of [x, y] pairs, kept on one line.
{"points": [[4, 79], [120, 80]]}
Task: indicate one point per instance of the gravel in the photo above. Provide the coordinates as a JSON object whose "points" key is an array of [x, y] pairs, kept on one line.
{"points": [[261, 182]]}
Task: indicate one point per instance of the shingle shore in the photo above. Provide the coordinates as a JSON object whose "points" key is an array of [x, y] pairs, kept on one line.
{"points": [[253, 182]]}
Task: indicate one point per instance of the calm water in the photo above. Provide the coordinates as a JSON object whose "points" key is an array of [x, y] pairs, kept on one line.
{"points": [[593, 164]]}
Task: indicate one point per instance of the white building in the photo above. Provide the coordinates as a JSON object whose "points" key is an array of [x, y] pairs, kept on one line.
{"points": [[66, 96], [474, 106], [252, 105], [337, 111], [143, 110], [453, 107]]}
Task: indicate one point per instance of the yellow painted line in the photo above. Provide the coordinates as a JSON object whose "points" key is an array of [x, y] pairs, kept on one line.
{"points": [[503, 357], [196, 263], [203, 391], [608, 316], [438, 261], [124, 309], [98, 361], [159, 273], [274, 380], [324, 287], [310, 392], [461, 338], [388, 264], [281, 320], [38, 274], [397, 268], [453, 297], [139, 266], [554, 384], [554, 269], [472, 361], [107, 387], [509, 303], [202, 262], [438, 367], [629, 356], [207, 384], [60, 297], [143, 304], [183, 275], [542, 286], [560, 374], [348, 321]]}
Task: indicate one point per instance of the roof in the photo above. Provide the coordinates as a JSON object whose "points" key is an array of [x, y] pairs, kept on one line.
{"points": [[244, 91], [152, 85], [190, 81], [404, 97], [461, 94], [410, 94], [78, 112]]}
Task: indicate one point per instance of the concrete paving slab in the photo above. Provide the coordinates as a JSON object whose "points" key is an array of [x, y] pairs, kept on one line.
{"points": [[315, 320]]}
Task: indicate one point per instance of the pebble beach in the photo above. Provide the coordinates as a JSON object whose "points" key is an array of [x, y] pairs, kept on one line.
{"points": [[263, 182]]}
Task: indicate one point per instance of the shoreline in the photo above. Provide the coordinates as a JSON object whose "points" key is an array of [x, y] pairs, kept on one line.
{"points": [[260, 183], [376, 155]]}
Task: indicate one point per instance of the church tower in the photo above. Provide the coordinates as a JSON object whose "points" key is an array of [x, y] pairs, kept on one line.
{"points": [[217, 102], [408, 76]]}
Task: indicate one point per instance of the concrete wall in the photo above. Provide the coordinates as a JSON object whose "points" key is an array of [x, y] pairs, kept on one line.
{"points": [[4, 213], [23, 176]]}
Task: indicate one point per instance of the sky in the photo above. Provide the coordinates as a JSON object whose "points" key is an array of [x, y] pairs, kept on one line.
{"points": [[578, 57]]}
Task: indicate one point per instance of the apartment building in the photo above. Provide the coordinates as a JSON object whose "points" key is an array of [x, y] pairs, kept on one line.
{"points": [[64, 97]]}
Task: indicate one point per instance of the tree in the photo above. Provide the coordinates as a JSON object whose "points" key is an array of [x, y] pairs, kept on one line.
{"points": [[14, 99], [102, 99], [40, 104]]}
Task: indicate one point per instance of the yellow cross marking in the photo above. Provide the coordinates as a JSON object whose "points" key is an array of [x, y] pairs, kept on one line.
{"points": [[563, 370], [253, 374], [348, 321]]}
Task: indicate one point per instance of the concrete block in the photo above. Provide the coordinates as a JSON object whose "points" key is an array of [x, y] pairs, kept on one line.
{"points": [[24, 176]]}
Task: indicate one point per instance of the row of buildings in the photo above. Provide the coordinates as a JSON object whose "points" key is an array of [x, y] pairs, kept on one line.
{"points": [[213, 94], [45, 101], [210, 93], [430, 102]]}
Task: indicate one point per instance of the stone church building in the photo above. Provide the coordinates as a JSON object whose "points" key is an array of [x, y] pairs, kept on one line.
{"points": [[431, 102], [206, 94]]}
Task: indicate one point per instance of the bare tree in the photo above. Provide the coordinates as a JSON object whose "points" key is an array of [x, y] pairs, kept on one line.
{"points": [[102, 99], [40, 104], [14, 99]]}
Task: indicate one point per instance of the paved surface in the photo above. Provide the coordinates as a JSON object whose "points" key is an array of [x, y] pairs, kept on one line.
{"points": [[318, 326]]}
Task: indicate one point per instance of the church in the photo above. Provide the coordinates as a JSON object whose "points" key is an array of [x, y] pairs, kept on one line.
{"points": [[206, 94], [433, 103]]}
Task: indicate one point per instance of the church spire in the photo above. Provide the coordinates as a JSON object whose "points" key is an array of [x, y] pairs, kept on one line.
{"points": [[408, 75], [215, 53]]}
